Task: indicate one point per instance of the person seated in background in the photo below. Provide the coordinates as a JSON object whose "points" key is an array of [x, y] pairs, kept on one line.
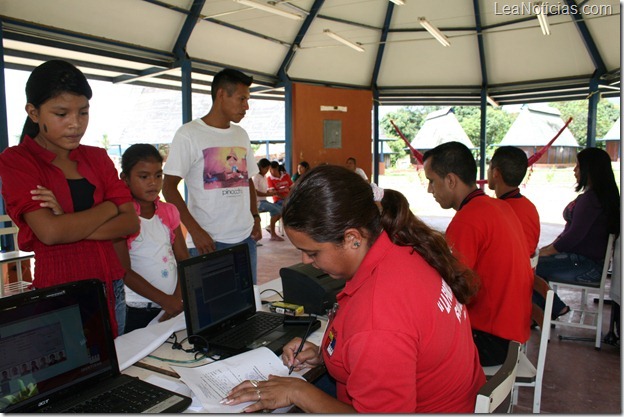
{"points": [[400, 339], [505, 174], [487, 237], [302, 168], [352, 165], [279, 182], [262, 192], [577, 254]]}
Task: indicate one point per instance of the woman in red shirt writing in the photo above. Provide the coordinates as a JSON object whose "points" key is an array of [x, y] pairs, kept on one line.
{"points": [[400, 340]]}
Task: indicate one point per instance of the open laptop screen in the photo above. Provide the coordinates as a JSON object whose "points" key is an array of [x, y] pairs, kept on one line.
{"points": [[51, 340], [217, 288]]}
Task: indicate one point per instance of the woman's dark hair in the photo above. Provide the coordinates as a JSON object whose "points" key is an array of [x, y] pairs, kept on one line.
{"points": [[137, 153], [346, 201], [49, 80], [596, 173], [405, 229]]}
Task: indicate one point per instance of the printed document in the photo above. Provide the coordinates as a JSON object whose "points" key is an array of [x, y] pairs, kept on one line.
{"points": [[212, 382]]}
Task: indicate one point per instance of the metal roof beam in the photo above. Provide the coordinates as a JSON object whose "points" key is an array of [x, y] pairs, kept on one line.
{"points": [[61, 39], [282, 73], [479, 29], [588, 40], [243, 30], [179, 49], [147, 73], [382, 44]]}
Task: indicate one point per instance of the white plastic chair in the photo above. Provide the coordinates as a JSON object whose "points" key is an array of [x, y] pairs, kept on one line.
{"points": [[16, 256], [529, 374], [496, 395], [583, 317]]}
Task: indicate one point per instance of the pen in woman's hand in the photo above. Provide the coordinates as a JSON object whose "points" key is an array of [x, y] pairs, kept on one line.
{"points": [[305, 337]]}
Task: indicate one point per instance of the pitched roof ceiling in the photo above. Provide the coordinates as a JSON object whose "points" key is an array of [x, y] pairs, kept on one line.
{"points": [[494, 45]]}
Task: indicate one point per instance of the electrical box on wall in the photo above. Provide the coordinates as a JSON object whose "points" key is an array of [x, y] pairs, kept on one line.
{"points": [[332, 134]]}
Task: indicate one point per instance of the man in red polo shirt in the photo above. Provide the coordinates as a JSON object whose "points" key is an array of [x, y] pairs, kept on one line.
{"points": [[483, 235], [507, 170]]}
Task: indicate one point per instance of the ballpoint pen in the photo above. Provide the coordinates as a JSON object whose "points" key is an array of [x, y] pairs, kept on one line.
{"points": [[305, 337]]}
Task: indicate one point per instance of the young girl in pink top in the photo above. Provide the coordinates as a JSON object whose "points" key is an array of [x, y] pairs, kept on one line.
{"points": [[150, 257]]}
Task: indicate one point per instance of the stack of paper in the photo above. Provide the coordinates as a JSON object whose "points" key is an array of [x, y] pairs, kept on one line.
{"points": [[212, 382]]}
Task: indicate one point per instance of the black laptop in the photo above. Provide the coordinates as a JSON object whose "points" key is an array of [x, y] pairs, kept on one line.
{"points": [[57, 355], [220, 309]]}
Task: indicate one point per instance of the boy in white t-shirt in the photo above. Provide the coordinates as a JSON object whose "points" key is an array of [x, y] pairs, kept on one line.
{"points": [[214, 157], [150, 257]]}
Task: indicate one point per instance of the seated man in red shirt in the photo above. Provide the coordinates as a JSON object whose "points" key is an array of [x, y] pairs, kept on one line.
{"points": [[483, 234], [279, 182], [507, 170]]}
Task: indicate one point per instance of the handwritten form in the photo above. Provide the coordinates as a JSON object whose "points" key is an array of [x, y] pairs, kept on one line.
{"points": [[212, 382]]}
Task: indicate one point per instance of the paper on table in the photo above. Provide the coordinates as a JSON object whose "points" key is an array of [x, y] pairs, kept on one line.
{"points": [[212, 382], [134, 346]]}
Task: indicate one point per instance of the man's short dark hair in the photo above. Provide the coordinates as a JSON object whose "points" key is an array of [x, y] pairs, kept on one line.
{"points": [[263, 163], [228, 79], [453, 157], [512, 163]]}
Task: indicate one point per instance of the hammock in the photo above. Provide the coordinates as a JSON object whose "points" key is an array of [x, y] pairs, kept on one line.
{"points": [[533, 159]]}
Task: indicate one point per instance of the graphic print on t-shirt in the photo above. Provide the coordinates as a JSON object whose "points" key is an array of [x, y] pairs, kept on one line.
{"points": [[225, 167]]}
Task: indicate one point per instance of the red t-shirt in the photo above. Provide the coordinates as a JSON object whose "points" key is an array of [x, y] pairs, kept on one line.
{"points": [[528, 216], [27, 165], [281, 184], [400, 342], [484, 236]]}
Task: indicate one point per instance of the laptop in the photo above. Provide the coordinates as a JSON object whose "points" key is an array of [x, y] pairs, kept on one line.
{"points": [[57, 355], [220, 309]]}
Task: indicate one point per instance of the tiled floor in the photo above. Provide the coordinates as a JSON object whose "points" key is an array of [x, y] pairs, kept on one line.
{"points": [[577, 378]]}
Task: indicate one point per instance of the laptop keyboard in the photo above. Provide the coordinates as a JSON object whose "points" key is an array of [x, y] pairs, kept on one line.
{"points": [[245, 333], [133, 397]]}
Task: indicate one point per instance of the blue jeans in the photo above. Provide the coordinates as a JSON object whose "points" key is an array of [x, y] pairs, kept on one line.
{"points": [[120, 305], [253, 255], [566, 267], [273, 209]]}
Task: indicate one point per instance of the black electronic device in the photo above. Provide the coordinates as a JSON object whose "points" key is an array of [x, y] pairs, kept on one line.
{"points": [[57, 355], [310, 287], [220, 308]]}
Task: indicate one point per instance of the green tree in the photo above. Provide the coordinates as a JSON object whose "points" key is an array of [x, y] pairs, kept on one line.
{"points": [[497, 124], [409, 120], [469, 117], [105, 142], [607, 114]]}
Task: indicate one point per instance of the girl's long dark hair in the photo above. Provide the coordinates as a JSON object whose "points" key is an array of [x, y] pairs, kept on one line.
{"points": [[596, 174], [330, 199], [49, 80]]}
